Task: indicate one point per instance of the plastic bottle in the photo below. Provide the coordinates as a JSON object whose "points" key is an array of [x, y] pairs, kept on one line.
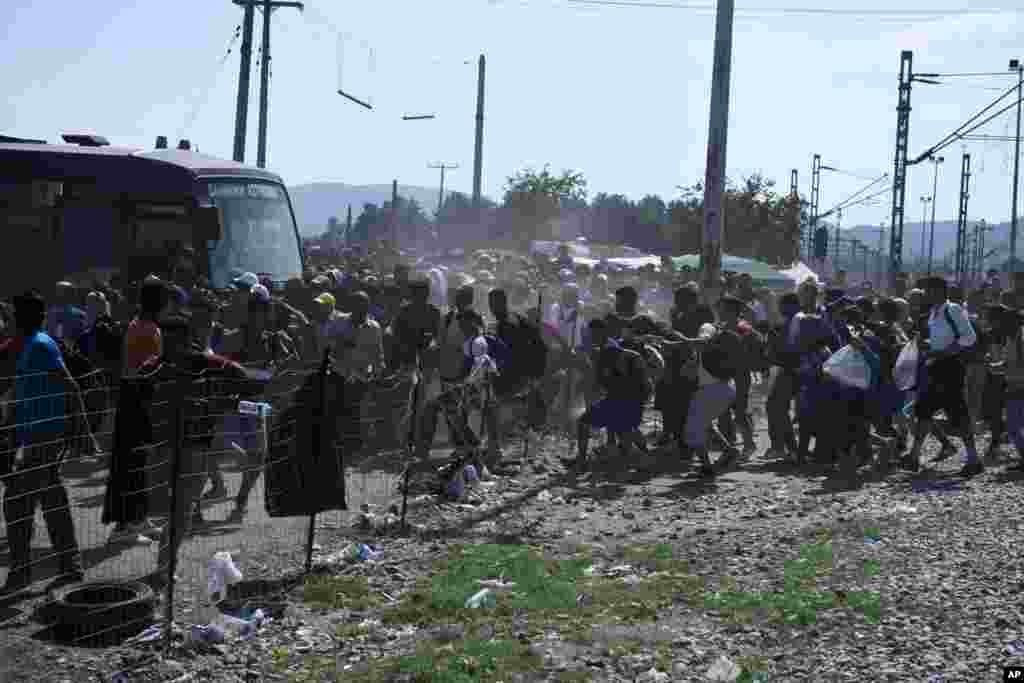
{"points": [[482, 599]]}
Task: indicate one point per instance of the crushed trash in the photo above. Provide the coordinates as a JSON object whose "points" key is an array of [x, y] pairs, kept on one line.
{"points": [[905, 509], [496, 584], [209, 634], [1015, 648], [220, 574], [119, 677], [724, 670], [482, 599], [544, 496], [937, 488], [936, 678]]}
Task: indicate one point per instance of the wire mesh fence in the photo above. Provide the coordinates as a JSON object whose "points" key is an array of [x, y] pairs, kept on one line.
{"points": [[196, 474]]}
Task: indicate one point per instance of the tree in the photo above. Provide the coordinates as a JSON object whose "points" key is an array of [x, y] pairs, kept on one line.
{"points": [[536, 198], [366, 226]]}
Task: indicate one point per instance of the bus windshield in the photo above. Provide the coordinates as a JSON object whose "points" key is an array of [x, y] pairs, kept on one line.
{"points": [[258, 232]]}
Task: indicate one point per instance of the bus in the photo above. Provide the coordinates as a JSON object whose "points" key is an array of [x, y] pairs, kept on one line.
{"points": [[86, 212]]}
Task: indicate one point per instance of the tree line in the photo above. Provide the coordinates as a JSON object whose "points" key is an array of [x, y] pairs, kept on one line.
{"points": [[760, 222]]}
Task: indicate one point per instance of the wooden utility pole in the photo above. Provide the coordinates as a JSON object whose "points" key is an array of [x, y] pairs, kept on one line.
{"points": [[478, 147], [242, 113], [245, 68], [718, 129]]}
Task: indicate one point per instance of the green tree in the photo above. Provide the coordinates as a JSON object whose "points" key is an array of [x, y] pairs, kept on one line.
{"points": [[366, 226], [536, 198]]}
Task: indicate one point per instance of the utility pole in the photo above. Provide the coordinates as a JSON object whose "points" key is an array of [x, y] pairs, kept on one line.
{"points": [[935, 193], [245, 69], [440, 192], [348, 226], [1016, 65], [268, 6], [718, 134], [478, 146], [839, 221], [803, 241], [961, 221], [394, 213], [899, 176], [924, 222], [815, 191]]}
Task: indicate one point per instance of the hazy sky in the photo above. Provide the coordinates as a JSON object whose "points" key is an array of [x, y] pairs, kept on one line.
{"points": [[620, 94]]}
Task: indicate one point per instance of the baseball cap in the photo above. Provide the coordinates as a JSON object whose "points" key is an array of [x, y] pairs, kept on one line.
{"points": [[326, 299], [260, 293], [246, 281]]}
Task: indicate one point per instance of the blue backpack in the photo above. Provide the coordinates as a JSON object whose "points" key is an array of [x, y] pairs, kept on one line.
{"points": [[499, 352]]}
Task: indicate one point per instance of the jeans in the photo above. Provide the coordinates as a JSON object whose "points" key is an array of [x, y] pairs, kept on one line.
{"points": [[1015, 421], [708, 404], [37, 482], [780, 425]]}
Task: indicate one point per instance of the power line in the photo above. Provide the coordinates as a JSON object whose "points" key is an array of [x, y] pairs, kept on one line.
{"points": [[200, 101], [960, 132], [808, 11]]}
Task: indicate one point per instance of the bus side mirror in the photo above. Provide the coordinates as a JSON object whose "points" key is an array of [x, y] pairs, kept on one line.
{"points": [[208, 225]]}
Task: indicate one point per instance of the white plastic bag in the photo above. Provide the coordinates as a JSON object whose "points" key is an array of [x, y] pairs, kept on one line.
{"points": [[849, 367], [904, 372]]}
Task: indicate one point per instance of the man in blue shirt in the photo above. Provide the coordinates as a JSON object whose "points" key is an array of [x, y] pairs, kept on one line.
{"points": [[43, 392], [65, 320], [945, 334]]}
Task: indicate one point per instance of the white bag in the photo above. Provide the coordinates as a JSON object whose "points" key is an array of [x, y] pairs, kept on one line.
{"points": [[904, 372], [849, 367]]}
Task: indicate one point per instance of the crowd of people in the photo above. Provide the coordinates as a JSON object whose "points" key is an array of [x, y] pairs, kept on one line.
{"points": [[593, 347]]}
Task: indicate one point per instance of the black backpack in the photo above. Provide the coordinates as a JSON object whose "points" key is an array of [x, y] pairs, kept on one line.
{"points": [[716, 358]]}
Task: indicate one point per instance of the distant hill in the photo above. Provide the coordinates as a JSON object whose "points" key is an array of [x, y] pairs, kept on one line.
{"points": [[997, 239], [315, 203]]}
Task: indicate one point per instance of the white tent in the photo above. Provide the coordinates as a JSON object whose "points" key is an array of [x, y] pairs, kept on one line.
{"points": [[800, 272]]}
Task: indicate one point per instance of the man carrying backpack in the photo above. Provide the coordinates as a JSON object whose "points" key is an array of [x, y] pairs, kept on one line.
{"points": [[621, 374], [946, 334], [718, 361], [526, 363]]}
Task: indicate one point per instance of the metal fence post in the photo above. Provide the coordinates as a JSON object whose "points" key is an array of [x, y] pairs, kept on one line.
{"points": [[318, 446], [410, 445], [177, 446]]}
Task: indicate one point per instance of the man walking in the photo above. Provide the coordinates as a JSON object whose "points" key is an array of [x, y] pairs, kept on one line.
{"points": [[42, 389]]}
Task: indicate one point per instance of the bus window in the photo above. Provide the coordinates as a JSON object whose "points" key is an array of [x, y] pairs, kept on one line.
{"points": [[258, 232]]}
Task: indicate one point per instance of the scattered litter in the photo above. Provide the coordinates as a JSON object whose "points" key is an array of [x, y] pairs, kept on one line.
{"points": [[905, 509], [1015, 648], [936, 678], [210, 634], [872, 541], [652, 676], [544, 496], [724, 670], [496, 584], [937, 488], [220, 574], [243, 629], [152, 634], [484, 598], [470, 475], [119, 677]]}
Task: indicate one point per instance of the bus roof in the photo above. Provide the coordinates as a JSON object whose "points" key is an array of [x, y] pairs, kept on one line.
{"points": [[197, 165]]}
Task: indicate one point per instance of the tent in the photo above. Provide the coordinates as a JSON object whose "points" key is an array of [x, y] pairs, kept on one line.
{"points": [[762, 274], [801, 271]]}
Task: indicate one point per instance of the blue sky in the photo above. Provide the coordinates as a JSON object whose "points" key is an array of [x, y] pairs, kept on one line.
{"points": [[620, 94]]}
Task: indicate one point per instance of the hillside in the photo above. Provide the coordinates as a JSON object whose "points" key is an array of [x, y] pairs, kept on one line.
{"points": [[315, 203], [945, 240]]}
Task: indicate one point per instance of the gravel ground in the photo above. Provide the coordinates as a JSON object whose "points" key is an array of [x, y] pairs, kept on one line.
{"points": [[947, 561]]}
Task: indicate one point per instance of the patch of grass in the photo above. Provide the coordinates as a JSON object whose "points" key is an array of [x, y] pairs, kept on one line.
{"points": [[540, 585], [339, 592], [660, 557], [798, 602], [872, 568]]}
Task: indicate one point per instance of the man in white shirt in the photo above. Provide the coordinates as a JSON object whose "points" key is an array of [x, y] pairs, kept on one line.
{"points": [[949, 334]]}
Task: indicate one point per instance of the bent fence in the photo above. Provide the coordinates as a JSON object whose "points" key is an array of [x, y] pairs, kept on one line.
{"points": [[261, 467], [249, 466]]}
